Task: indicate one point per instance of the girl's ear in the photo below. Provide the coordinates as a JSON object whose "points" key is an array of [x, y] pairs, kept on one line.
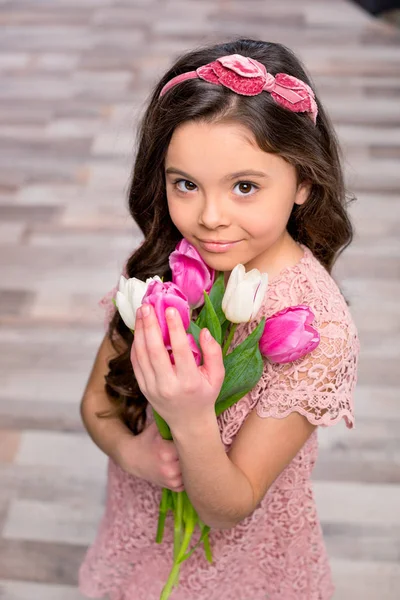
{"points": [[302, 192]]}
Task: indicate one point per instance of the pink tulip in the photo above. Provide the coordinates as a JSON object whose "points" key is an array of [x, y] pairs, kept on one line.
{"points": [[288, 335], [194, 348], [190, 273], [162, 295]]}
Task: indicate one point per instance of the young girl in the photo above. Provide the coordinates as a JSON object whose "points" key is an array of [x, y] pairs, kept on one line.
{"points": [[237, 155]]}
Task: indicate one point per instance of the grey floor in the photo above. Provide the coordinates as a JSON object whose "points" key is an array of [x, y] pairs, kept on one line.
{"points": [[73, 79]]}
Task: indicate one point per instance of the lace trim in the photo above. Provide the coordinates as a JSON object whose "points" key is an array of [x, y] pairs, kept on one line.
{"points": [[319, 408]]}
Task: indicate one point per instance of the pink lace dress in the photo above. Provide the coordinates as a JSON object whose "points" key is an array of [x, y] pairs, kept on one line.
{"points": [[277, 553]]}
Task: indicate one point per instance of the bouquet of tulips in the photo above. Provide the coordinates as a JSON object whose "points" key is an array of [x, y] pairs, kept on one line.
{"points": [[284, 337]]}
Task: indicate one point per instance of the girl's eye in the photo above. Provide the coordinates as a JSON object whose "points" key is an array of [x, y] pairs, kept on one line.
{"points": [[184, 185], [245, 188]]}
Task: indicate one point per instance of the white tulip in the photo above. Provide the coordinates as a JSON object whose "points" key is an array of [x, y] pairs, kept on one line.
{"points": [[244, 294], [129, 298]]}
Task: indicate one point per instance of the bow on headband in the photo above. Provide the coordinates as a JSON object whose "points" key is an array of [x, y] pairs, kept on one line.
{"points": [[249, 77]]}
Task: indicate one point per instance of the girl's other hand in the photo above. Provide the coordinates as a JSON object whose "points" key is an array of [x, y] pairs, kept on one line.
{"points": [[150, 457]]}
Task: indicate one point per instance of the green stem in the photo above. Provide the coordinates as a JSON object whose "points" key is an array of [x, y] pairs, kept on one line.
{"points": [[174, 574], [207, 548], [162, 514], [186, 540], [178, 522], [167, 589], [229, 339], [173, 501], [190, 519], [178, 529], [163, 427], [165, 433], [203, 534]]}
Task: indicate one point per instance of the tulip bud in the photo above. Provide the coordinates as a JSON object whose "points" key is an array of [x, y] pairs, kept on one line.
{"points": [[190, 273], [244, 294], [129, 298], [288, 335], [161, 295]]}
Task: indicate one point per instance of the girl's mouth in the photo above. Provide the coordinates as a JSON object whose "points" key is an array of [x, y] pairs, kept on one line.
{"points": [[217, 247]]}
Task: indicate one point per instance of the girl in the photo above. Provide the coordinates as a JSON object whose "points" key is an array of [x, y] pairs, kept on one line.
{"points": [[237, 155]]}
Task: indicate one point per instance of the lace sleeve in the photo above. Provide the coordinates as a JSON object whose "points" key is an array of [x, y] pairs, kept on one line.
{"points": [[107, 304], [319, 386]]}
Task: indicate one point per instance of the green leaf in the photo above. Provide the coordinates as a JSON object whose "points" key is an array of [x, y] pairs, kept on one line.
{"points": [[195, 331], [200, 319], [252, 339], [222, 405], [211, 320], [224, 328], [225, 401], [243, 369], [216, 294], [241, 375]]}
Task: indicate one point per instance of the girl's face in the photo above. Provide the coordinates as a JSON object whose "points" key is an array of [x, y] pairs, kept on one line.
{"points": [[228, 198]]}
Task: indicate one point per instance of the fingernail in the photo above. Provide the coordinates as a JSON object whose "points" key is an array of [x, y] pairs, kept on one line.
{"points": [[171, 312], [207, 335], [145, 310]]}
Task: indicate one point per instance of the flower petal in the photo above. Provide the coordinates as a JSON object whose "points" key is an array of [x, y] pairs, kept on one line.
{"points": [[260, 294], [253, 275], [236, 275], [122, 284], [162, 295], [125, 310], [137, 293], [244, 300], [287, 336]]}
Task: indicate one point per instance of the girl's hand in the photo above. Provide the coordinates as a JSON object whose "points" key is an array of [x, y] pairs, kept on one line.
{"points": [[150, 457], [183, 393]]}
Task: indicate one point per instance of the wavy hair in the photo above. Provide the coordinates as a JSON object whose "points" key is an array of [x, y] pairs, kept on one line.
{"points": [[321, 223]]}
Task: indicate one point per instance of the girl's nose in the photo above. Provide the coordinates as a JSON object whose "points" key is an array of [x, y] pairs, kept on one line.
{"points": [[214, 214]]}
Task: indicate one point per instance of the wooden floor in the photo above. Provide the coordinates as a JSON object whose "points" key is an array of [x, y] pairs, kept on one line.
{"points": [[73, 79]]}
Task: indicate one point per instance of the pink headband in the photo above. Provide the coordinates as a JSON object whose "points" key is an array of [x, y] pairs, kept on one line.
{"points": [[249, 77]]}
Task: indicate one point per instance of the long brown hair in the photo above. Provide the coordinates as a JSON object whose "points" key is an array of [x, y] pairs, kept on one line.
{"points": [[321, 223]]}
